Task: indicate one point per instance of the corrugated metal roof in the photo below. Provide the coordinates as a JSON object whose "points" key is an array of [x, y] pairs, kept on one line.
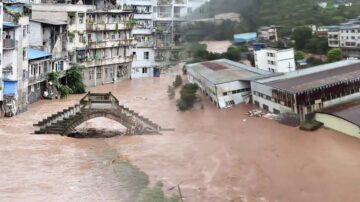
{"points": [[245, 37], [34, 54], [223, 71], [349, 111], [317, 79]]}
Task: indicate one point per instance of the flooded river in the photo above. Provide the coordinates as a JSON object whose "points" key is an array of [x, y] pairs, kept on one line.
{"points": [[216, 155]]}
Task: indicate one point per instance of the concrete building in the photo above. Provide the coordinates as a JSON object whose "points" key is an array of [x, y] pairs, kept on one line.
{"points": [[39, 68], [275, 60], [268, 33], [225, 82], [308, 90], [50, 36], [98, 39], [143, 64], [15, 61], [108, 56], [346, 36]]}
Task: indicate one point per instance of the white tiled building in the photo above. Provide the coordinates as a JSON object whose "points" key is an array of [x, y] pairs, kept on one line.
{"points": [[347, 37], [275, 60]]}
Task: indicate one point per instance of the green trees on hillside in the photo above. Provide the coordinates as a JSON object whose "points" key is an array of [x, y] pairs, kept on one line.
{"points": [[306, 41], [301, 35]]}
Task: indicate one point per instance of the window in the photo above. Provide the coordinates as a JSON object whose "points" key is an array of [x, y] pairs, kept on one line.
{"points": [[98, 73], [146, 55], [24, 31], [225, 93], [91, 74], [81, 18], [24, 53], [144, 70]]}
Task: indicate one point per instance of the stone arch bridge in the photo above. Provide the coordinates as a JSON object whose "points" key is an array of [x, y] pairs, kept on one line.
{"points": [[95, 105]]}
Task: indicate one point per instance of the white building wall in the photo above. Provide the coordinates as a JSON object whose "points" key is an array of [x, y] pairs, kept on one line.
{"points": [[263, 99], [274, 60], [233, 96], [140, 63]]}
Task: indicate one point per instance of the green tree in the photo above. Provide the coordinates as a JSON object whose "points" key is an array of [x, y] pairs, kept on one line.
{"points": [[301, 35], [334, 55], [75, 79], [178, 81], [233, 53], [187, 97], [299, 55]]}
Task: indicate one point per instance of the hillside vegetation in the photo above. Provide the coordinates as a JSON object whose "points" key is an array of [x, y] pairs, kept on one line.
{"points": [[286, 13]]}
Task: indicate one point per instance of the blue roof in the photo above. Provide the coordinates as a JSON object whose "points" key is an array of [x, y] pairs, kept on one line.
{"points": [[245, 37], [9, 24], [34, 54]]}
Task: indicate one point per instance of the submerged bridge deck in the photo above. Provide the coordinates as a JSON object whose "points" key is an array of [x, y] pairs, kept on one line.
{"points": [[95, 105]]}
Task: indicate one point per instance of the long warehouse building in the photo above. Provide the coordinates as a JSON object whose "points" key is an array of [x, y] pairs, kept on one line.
{"points": [[308, 90]]}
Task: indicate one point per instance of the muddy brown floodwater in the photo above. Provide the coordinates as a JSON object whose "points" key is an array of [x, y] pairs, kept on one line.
{"points": [[216, 155]]}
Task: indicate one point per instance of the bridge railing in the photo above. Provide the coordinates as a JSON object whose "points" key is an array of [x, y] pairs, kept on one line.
{"points": [[99, 101]]}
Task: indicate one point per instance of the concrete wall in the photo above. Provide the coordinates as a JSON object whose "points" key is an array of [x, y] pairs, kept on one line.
{"points": [[338, 124], [237, 98], [267, 91], [139, 62]]}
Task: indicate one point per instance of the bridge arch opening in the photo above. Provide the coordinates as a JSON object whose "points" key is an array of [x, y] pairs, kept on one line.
{"points": [[99, 127]]}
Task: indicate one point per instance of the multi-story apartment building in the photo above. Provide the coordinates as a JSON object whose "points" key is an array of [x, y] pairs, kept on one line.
{"points": [[157, 32], [268, 33], [347, 37], [143, 61], [275, 60], [97, 38], [50, 36], [15, 61]]}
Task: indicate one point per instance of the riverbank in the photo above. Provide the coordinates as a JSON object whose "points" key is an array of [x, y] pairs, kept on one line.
{"points": [[216, 155]]}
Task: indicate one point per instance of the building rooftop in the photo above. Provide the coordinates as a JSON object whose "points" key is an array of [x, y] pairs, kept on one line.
{"points": [[49, 21], [34, 54], [223, 71], [349, 111], [316, 77], [245, 37]]}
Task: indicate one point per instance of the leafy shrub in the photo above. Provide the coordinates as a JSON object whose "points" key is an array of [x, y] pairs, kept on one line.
{"points": [[64, 91], [178, 81], [187, 97]]}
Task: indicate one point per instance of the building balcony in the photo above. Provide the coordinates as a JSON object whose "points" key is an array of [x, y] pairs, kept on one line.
{"points": [[164, 2], [37, 78], [147, 16], [142, 2], [109, 44], [9, 44], [107, 26], [145, 44], [179, 2], [106, 61]]}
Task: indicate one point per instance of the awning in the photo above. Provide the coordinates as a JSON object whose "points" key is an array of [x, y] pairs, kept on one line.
{"points": [[34, 54], [10, 87]]}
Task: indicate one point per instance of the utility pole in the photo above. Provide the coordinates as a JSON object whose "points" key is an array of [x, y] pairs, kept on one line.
{"points": [[179, 189]]}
